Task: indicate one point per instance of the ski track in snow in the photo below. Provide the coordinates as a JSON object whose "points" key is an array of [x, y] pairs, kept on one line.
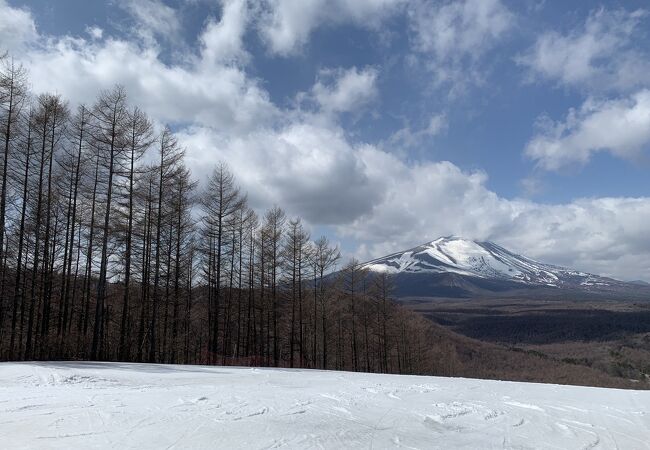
{"points": [[136, 406]]}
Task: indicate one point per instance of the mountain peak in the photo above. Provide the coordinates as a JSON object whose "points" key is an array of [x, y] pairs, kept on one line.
{"points": [[479, 259], [451, 237]]}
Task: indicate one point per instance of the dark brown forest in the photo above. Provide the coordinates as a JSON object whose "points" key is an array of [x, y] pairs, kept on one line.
{"points": [[110, 250]]}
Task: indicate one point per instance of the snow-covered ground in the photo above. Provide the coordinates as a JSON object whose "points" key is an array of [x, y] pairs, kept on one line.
{"points": [[114, 405]]}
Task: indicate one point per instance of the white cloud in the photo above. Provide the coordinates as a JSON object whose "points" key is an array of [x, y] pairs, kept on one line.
{"points": [[385, 204], [287, 24], [222, 40], [620, 127], [309, 169], [437, 123], [154, 18], [425, 201], [454, 29], [221, 96], [604, 235], [95, 32], [603, 54], [532, 184], [17, 28], [210, 88], [453, 36], [341, 90], [408, 138]]}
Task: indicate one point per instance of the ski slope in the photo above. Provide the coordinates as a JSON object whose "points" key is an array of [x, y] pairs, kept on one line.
{"points": [[139, 406]]}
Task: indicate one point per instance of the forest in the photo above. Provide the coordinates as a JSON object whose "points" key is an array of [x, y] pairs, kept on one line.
{"points": [[110, 250]]}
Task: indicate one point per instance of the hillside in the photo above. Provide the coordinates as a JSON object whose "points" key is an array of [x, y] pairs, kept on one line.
{"points": [[457, 355]]}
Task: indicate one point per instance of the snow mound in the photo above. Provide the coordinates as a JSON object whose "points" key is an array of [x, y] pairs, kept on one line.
{"points": [[116, 405]]}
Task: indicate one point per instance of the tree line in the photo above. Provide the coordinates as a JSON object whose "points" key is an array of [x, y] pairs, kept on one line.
{"points": [[110, 250]]}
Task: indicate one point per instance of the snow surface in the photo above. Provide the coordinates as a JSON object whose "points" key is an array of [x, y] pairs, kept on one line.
{"points": [[116, 405]]}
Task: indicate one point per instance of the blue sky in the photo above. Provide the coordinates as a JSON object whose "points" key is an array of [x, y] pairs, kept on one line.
{"points": [[524, 122]]}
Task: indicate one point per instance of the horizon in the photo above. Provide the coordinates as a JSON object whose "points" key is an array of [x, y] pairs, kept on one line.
{"points": [[389, 122]]}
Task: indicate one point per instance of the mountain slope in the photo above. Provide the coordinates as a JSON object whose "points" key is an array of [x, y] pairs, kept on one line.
{"points": [[457, 267]]}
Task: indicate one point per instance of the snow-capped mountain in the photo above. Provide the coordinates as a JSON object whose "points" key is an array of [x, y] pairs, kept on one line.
{"points": [[459, 266], [479, 259]]}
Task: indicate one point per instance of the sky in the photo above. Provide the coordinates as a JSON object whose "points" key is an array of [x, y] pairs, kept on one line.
{"points": [[385, 124]]}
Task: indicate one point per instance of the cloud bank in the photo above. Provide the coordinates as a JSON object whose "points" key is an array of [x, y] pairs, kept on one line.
{"points": [[305, 160]]}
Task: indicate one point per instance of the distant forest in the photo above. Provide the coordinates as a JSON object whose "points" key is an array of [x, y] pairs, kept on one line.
{"points": [[109, 250]]}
